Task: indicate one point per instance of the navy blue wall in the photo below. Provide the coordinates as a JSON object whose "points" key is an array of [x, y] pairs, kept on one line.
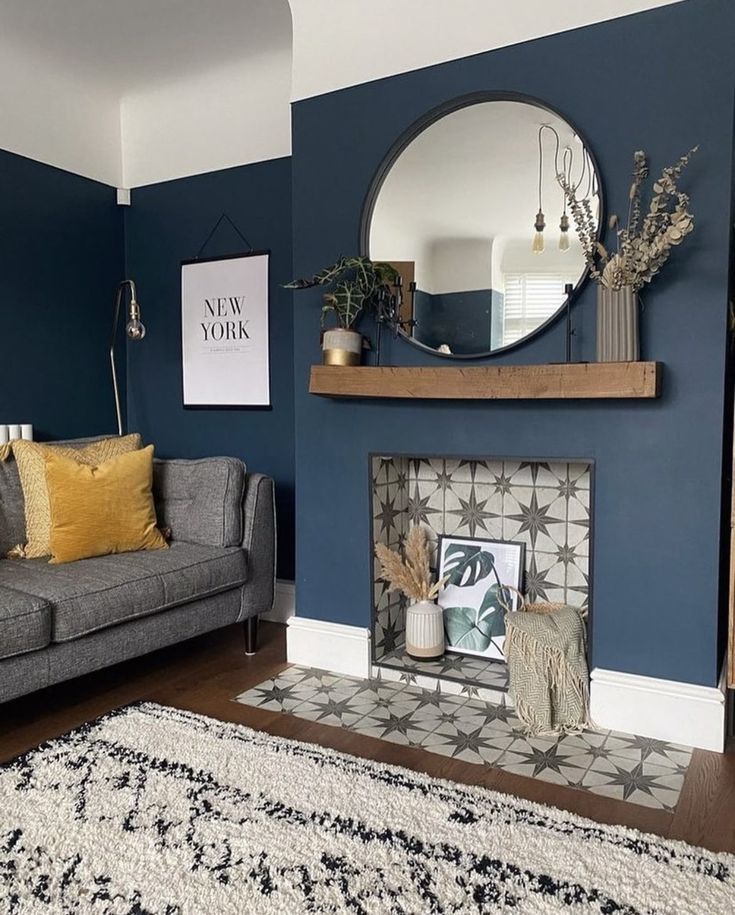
{"points": [[61, 257], [168, 223], [460, 319], [660, 81]]}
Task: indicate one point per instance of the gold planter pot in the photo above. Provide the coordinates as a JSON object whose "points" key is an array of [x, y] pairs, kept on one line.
{"points": [[340, 357], [341, 347]]}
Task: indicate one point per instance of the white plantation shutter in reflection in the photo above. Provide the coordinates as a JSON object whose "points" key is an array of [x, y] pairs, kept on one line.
{"points": [[530, 298]]}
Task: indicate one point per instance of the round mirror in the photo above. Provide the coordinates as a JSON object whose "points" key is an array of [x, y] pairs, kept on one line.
{"points": [[469, 208]]}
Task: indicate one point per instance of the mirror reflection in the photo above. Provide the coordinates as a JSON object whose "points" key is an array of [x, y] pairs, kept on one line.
{"points": [[473, 216]]}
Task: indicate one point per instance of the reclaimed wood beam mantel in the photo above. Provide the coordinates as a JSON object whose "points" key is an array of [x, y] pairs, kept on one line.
{"points": [[564, 381]]}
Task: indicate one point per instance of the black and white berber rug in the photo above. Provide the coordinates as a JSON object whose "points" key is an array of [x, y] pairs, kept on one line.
{"points": [[153, 810]]}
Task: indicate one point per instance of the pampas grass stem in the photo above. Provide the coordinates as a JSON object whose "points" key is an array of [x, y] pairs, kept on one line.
{"points": [[410, 575]]}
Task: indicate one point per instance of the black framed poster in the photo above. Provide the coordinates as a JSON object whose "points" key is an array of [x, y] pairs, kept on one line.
{"points": [[224, 331]]}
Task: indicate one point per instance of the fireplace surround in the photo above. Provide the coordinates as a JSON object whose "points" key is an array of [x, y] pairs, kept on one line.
{"points": [[544, 502]]}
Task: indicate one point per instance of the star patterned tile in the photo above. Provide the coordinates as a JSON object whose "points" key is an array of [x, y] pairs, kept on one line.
{"points": [[544, 504], [470, 744], [477, 473], [639, 782], [390, 631], [425, 503], [465, 671], [387, 514], [385, 470], [639, 770], [537, 516], [473, 511]]}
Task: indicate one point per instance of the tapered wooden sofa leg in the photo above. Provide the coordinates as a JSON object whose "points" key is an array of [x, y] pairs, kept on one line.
{"points": [[251, 635]]}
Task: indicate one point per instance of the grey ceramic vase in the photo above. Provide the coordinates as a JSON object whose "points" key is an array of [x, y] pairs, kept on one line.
{"points": [[617, 325]]}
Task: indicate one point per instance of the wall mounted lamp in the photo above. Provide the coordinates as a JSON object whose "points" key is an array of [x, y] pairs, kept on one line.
{"points": [[134, 330]]}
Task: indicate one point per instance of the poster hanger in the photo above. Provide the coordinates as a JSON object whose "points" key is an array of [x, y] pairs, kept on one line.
{"points": [[224, 217]]}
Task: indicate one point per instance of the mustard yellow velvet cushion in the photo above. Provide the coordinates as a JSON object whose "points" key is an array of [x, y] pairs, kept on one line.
{"points": [[29, 457], [104, 509]]}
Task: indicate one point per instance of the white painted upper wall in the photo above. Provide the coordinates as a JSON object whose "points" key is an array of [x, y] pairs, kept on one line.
{"points": [[50, 115], [149, 90], [231, 108], [340, 43], [235, 114]]}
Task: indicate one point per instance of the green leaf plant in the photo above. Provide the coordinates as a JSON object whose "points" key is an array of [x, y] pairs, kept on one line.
{"points": [[466, 565], [467, 627], [356, 287]]}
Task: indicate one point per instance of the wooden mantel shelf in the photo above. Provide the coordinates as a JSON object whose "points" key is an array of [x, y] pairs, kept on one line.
{"points": [[564, 381]]}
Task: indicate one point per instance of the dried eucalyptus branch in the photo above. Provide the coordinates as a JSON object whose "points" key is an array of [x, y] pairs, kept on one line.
{"points": [[644, 244], [586, 226]]}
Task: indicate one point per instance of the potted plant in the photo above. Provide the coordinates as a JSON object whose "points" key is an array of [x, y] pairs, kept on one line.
{"points": [[357, 284], [643, 246], [412, 576]]}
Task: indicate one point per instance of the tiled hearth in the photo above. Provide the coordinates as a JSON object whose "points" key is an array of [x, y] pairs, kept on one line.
{"points": [[546, 504], [636, 769], [459, 674]]}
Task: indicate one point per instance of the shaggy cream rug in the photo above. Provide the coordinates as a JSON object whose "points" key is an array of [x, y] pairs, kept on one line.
{"points": [[153, 810]]}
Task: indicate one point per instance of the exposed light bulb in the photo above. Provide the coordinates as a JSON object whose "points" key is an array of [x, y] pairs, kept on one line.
{"points": [[134, 329], [538, 239], [564, 237]]}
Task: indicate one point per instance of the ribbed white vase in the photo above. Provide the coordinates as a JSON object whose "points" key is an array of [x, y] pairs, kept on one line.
{"points": [[424, 630]]}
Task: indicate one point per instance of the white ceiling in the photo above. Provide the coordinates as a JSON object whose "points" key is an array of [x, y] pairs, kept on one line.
{"points": [[137, 91], [125, 45]]}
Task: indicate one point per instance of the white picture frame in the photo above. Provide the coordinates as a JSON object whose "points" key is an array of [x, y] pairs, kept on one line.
{"points": [[474, 619], [224, 331]]}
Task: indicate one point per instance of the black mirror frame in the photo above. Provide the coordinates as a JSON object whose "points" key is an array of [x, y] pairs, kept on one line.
{"points": [[409, 135]]}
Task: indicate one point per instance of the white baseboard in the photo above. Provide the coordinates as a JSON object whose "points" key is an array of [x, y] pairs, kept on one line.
{"points": [[677, 712], [284, 603], [328, 646]]}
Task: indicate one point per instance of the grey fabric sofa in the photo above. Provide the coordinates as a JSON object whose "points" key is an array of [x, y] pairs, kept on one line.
{"points": [[61, 621]]}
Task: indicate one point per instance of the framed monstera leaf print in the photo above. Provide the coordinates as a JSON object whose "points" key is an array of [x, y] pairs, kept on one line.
{"points": [[475, 597]]}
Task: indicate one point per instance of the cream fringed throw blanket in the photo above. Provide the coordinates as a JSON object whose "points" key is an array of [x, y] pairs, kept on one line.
{"points": [[547, 663]]}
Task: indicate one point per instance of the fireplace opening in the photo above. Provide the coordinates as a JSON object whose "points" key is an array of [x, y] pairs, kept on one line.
{"points": [[546, 504]]}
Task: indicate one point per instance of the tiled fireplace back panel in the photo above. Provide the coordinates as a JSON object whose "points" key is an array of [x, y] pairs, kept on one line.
{"points": [[544, 504]]}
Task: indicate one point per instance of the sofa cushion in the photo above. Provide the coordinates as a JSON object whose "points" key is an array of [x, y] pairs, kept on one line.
{"points": [[201, 500], [12, 516], [25, 622], [30, 458], [97, 511], [12, 506], [94, 593]]}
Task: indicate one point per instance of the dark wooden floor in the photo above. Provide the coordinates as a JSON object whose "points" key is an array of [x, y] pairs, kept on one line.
{"points": [[205, 674]]}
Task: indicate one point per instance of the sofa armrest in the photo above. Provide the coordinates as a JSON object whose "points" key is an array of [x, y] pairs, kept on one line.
{"points": [[201, 500], [259, 543], [215, 502]]}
